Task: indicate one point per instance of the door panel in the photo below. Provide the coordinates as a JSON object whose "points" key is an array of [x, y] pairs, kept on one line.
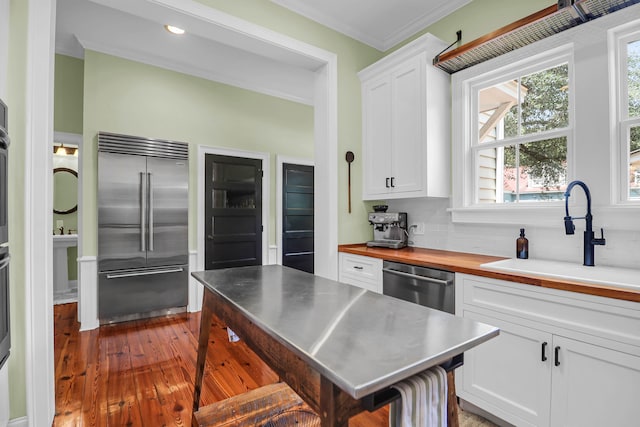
{"points": [[408, 90], [233, 212], [508, 372], [594, 386], [297, 227], [378, 134], [168, 212], [121, 182]]}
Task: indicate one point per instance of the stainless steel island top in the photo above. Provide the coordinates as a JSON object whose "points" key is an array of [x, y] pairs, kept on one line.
{"points": [[361, 341]]}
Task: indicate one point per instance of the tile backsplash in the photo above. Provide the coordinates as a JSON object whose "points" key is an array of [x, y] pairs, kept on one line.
{"points": [[622, 248]]}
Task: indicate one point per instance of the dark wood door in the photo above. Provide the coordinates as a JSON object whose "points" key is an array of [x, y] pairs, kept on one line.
{"points": [[297, 216], [233, 212]]}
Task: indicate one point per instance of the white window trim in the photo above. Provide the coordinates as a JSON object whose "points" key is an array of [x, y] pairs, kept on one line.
{"points": [[617, 41], [465, 89], [598, 173]]}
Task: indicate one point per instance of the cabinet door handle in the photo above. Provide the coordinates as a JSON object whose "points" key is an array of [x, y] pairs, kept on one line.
{"points": [[357, 267], [557, 356], [387, 182], [392, 183], [544, 351]]}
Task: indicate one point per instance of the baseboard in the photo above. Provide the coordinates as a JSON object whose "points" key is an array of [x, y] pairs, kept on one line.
{"points": [[273, 255], [19, 422], [195, 288], [88, 293]]}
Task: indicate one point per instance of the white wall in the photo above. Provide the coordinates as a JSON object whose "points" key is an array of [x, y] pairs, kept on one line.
{"points": [[622, 248], [595, 158]]}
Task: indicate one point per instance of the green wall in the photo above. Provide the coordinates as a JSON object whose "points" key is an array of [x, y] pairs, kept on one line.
{"points": [[67, 117], [68, 94], [128, 97], [475, 19], [353, 56], [16, 100]]}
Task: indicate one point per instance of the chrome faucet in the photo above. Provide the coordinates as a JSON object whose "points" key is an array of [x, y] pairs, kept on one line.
{"points": [[589, 239]]}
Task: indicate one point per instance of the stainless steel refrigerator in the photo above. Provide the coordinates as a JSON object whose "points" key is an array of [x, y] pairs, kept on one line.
{"points": [[142, 227]]}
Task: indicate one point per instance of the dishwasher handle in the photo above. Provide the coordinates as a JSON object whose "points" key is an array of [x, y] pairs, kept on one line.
{"points": [[417, 277]]}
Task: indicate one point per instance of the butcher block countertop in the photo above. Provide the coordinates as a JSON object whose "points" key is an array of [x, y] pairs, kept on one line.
{"points": [[461, 262]]}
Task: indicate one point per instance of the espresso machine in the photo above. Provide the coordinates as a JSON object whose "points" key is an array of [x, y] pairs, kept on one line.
{"points": [[389, 229]]}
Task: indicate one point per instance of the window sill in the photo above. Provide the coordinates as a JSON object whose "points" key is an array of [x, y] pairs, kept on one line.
{"points": [[617, 217], [550, 216]]}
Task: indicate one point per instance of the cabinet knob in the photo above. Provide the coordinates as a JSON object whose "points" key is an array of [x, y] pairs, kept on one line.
{"points": [[392, 183], [387, 182], [544, 351], [557, 356]]}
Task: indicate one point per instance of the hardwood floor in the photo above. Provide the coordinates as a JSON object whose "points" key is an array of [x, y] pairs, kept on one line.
{"points": [[141, 373]]}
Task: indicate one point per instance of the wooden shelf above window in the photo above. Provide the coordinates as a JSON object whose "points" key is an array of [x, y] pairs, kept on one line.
{"points": [[537, 26]]}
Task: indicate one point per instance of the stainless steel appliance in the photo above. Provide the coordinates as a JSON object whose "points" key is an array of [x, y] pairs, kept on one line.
{"points": [[389, 229], [142, 227], [5, 330], [421, 285]]}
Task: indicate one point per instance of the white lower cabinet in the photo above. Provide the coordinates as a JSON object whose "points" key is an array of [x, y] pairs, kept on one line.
{"points": [[594, 386], [362, 271], [507, 373], [561, 359]]}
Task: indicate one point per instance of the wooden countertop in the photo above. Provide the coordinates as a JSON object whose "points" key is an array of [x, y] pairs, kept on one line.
{"points": [[461, 262]]}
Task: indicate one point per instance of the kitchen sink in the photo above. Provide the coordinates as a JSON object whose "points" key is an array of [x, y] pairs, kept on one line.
{"points": [[602, 275]]}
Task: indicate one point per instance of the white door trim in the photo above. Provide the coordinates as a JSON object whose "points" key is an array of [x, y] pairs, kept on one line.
{"points": [[280, 160], [39, 305], [38, 213]]}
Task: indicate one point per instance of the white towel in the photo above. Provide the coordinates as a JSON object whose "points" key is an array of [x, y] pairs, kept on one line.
{"points": [[423, 400]]}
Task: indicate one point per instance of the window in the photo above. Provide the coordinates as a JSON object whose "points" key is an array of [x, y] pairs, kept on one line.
{"points": [[629, 70], [519, 149], [528, 122]]}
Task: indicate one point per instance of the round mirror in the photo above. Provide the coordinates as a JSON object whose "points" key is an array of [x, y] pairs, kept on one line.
{"points": [[65, 184]]}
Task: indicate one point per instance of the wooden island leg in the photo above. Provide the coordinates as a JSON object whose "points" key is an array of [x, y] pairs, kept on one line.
{"points": [[329, 410], [452, 401], [203, 345]]}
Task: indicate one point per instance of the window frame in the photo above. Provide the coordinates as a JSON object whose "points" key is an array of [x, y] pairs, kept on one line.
{"points": [[619, 37], [468, 101], [594, 153]]}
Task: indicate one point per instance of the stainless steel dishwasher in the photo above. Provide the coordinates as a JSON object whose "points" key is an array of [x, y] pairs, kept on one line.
{"points": [[425, 286]]}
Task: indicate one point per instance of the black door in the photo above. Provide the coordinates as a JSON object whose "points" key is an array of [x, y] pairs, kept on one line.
{"points": [[297, 217], [233, 212]]}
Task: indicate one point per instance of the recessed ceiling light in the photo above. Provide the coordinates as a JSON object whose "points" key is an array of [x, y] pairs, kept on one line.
{"points": [[174, 30]]}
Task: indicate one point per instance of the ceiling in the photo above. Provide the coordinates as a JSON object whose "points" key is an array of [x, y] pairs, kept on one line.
{"points": [[133, 29], [379, 23]]}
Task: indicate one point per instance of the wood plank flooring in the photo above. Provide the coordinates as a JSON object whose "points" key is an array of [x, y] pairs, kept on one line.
{"points": [[141, 373]]}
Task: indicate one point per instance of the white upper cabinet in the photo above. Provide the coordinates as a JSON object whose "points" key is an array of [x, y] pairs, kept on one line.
{"points": [[406, 121]]}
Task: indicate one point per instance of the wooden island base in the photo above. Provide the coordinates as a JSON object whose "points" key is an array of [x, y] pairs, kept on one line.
{"points": [[333, 405]]}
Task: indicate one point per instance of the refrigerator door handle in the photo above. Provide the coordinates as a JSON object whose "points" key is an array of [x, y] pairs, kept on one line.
{"points": [[4, 262], [5, 141], [143, 211], [151, 230], [144, 273]]}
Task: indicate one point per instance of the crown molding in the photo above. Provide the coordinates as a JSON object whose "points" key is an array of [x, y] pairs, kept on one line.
{"points": [[381, 43]]}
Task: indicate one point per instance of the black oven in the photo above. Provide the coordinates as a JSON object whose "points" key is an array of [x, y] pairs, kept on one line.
{"points": [[5, 335], [4, 148]]}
